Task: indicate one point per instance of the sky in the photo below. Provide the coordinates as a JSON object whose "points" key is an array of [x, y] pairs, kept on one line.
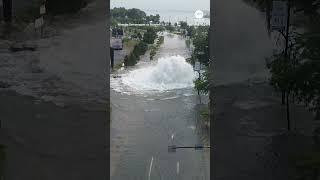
{"points": [[181, 5]]}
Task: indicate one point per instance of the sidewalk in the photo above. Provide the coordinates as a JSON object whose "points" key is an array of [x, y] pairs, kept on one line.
{"points": [[249, 134]]}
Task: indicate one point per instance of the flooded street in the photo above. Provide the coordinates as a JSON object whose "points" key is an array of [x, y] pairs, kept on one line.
{"points": [[158, 109]]}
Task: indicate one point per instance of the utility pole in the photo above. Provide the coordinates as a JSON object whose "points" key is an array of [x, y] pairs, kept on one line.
{"points": [[287, 58], [112, 57]]}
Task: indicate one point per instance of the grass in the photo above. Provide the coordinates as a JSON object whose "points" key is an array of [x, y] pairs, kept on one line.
{"points": [[129, 44]]}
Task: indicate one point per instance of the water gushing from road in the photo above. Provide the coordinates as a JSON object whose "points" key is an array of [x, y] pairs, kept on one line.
{"points": [[167, 73]]}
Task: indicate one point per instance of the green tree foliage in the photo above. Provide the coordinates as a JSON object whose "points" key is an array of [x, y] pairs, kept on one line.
{"points": [[190, 30], [201, 53], [123, 15], [155, 19], [299, 73], [201, 43], [282, 73], [307, 79], [133, 16], [154, 48], [202, 84], [138, 50], [150, 36], [183, 25]]}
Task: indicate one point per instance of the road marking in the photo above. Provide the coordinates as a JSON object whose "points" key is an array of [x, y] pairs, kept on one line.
{"points": [[178, 167], [150, 168]]}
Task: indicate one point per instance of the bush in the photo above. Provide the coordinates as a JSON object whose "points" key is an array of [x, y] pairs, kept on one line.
{"points": [[153, 52], [202, 84], [138, 50], [150, 36]]}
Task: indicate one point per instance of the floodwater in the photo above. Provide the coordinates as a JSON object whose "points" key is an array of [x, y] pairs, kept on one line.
{"points": [[154, 106]]}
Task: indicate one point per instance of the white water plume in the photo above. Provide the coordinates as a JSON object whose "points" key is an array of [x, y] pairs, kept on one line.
{"points": [[166, 74]]}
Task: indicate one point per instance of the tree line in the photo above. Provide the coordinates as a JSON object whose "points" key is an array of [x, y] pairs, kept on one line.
{"points": [[133, 16]]}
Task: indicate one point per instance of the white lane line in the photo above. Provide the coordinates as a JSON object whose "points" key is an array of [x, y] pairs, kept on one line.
{"points": [[150, 168], [178, 167]]}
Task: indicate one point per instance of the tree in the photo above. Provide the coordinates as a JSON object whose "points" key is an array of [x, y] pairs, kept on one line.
{"points": [[307, 87], [150, 36], [123, 15], [200, 38], [190, 30], [138, 50], [202, 84], [201, 43], [298, 72], [136, 16], [183, 25], [282, 77], [155, 19]]}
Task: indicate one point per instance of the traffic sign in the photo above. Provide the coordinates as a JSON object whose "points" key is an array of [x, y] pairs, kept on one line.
{"points": [[42, 9], [197, 66], [279, 15], [38, 22]]}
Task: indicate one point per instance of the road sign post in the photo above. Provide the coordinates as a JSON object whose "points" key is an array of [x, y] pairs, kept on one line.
{"points": [[197, 67], [279, 15], [38, 24], [42, 10]]}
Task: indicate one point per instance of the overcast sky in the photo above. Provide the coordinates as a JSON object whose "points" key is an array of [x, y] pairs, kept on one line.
{"points": [[189, 5]]}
